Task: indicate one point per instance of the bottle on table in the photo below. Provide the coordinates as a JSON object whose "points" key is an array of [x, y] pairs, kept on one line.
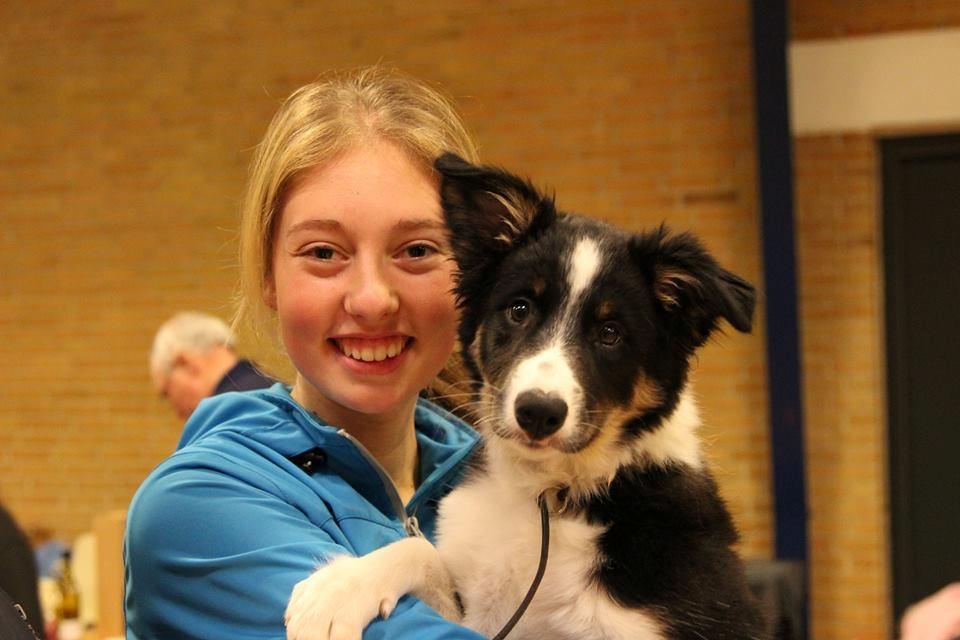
{"points": [[69, 626]]}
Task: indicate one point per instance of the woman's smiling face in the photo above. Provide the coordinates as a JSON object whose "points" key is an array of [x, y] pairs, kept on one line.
{"points": [[362, 281]]}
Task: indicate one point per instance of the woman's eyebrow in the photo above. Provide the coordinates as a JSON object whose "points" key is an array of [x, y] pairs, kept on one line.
{"points": [[407, 224], [315, 225], [419, 224]]}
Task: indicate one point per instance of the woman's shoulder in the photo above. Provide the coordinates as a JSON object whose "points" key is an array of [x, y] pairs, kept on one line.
{"points": [[237, 450], [240, 411], [240, 437]]}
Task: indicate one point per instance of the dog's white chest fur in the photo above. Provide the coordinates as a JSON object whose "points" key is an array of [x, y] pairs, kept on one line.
{"points": [[489, 538]]}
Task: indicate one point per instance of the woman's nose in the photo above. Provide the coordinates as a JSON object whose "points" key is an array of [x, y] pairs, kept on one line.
{"points": [[371, 296]]}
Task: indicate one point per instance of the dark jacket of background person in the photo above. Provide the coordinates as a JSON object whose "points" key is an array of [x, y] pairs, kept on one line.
{"points": [[243, 377], [18, 568]]}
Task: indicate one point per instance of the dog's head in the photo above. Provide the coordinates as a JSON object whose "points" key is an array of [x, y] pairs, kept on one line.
{"points": [[580, 333]]}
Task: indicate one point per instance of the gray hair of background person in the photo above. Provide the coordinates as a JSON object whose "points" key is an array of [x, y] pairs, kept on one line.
{"points": [[186, 331]]}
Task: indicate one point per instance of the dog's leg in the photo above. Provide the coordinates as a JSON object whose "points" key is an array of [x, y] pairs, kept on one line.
{"points": [[341, 598], [437, 589]]}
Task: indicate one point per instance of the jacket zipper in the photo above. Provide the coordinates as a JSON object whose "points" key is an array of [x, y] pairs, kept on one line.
{"points": [[410, 523]]}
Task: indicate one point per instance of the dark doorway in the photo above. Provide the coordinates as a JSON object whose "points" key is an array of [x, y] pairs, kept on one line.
{"points": [[921, 225]]}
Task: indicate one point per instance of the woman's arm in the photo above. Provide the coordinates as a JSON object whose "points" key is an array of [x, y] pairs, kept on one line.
{"points": [[212, 555]]}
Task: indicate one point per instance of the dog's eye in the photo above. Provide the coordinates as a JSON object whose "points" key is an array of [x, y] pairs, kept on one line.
{"points": [[519, 310], [610, 334]]}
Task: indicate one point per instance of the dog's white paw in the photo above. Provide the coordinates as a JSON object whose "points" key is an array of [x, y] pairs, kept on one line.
{"points": [[338, 601]]}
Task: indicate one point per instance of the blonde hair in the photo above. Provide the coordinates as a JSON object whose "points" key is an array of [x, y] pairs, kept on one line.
{"points": [[315, 124]]}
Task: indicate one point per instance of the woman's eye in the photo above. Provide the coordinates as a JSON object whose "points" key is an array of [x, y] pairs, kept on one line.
{"points": [[417, 251], [323, 253], [610, 334], [519, 310]]}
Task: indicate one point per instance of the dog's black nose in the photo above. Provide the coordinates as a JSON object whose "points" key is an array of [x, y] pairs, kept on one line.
{"points": [[540, 414]]}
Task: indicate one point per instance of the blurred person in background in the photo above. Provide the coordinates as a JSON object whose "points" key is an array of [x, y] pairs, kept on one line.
{"points": [[48, 551], [193, 357], [18, 569]]}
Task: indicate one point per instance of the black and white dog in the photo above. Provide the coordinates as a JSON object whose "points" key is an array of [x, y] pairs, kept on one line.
{"points": [[579, 336]]}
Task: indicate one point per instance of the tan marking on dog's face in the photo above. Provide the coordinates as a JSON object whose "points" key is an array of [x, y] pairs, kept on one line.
{"points": [[474, 348], [605, 310], [594, 461], [539, 286], [646, 396], [488, 407], [493, 372]]}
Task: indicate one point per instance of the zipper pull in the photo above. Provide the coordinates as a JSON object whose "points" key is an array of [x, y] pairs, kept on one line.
{"points": [[412, 527]]}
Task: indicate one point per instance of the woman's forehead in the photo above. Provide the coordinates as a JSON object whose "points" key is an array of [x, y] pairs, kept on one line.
{"points": [[375, 181]]}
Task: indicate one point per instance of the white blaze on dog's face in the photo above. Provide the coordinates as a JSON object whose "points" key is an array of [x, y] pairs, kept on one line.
{"points": [[568, 346], [543, 398]]}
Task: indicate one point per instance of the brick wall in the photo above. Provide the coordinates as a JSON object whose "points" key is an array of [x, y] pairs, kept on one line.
{"points": [[841, 279], [126, 133], [840, 300]]}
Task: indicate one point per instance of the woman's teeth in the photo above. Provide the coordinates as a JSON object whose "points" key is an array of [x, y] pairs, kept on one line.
{"points": [[371, 350]]}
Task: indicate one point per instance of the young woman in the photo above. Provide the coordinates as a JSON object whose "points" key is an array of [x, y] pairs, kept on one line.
{"points": [[344, 255]]}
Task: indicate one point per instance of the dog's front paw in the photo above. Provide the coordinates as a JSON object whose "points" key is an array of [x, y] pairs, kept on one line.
{"points": [[338, 601]]}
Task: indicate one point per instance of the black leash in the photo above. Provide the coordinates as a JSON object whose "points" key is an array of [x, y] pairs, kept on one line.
{"points": [[544, 549]]}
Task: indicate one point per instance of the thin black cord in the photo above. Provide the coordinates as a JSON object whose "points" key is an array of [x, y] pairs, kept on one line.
{"points": [[544, 549]]}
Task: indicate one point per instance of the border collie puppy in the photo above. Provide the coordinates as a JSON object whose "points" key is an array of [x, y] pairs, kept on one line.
{"points": [[579, 336]]}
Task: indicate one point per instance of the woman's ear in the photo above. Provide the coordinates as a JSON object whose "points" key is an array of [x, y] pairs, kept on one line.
{"points": [[270, 292]]}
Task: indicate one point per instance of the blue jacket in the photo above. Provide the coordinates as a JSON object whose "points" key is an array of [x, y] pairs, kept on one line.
{"points": [[220, 532]]}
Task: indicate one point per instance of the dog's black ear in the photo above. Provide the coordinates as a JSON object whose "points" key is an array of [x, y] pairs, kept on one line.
{"points": [[489, 212], [689, 285]]}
